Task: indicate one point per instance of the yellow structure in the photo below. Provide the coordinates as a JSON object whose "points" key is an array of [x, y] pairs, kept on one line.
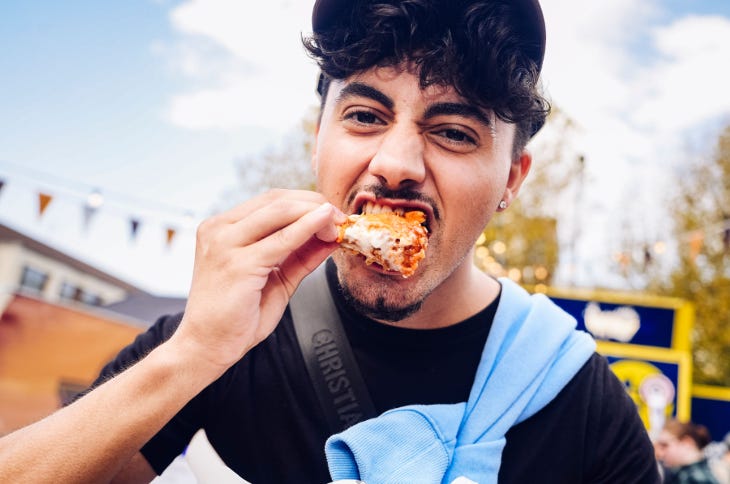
{"points": [[647, 340]]}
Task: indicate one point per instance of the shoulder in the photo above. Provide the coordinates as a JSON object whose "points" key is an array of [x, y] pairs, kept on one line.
{"points": [[621, 450], [594, 422]]}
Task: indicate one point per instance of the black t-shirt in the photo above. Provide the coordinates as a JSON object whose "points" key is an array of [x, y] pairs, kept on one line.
{"points": [[263, 417]]}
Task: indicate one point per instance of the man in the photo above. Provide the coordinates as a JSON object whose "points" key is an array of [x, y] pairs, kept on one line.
{"points": [[425, 105]]}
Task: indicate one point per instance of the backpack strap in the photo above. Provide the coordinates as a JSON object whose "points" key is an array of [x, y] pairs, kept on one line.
{"points": [[327, 353]]}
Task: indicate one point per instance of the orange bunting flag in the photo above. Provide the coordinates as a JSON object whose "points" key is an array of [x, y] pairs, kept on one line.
{"points": [[170, 235], [44, 200]]}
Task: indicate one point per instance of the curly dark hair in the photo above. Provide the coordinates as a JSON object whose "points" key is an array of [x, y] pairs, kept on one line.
{"points": [[474, 46]]}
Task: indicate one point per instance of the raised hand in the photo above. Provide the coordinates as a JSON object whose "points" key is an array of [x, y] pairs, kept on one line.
{"points": [[248, 262]]}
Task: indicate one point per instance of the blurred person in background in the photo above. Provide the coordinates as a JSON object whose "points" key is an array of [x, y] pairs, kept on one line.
{"points": [[679, 450], [720, 465]]}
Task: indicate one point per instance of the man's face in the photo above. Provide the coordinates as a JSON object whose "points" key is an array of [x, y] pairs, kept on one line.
{"points": [[383, 139]]}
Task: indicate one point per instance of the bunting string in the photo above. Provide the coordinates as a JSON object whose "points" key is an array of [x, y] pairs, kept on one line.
{"points": [[93, 201]]}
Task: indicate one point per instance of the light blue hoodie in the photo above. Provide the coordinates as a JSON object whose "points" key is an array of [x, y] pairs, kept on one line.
{"points": [[532, 352]]}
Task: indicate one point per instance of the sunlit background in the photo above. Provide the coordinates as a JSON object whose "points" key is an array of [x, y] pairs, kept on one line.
{"points": [[155, 105], [124, 124]]}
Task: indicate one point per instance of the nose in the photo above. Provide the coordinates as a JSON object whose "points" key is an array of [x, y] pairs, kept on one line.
{"points": [[399, 161]]}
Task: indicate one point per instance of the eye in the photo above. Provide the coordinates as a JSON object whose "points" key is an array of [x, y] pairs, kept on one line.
{"points": [[362, 117], [454, 138], [457, 135]]}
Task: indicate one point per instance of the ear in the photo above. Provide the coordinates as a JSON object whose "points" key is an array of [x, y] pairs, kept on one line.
{"points": [[518, 171]]}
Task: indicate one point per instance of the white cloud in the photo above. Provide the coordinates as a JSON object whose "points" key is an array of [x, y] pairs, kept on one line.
{"points": [[260, 32], [589, 74], [586, 60], [637, 80], [245, 102], [688, 85], [632, 84], [249, 63], [591, 69]]}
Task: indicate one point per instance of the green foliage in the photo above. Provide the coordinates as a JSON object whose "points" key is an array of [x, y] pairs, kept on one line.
{"points": [[701, 215]]}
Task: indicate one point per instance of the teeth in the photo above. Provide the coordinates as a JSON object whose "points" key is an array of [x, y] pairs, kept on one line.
{"points": [[371, 207]]}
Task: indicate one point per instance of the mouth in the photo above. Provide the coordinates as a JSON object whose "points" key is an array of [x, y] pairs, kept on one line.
{"points": [[369, 206], [392, 235]]}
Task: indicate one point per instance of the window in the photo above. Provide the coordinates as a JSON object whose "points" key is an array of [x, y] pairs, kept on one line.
{"points": [[70, 292], [90, 299], [33, 279]]}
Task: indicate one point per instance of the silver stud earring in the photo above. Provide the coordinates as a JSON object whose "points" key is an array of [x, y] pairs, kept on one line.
{"points": [[502, 205]]}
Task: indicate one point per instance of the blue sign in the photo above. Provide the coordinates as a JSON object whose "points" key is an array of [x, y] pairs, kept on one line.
{"points": [[638, 325], [712, 413]]}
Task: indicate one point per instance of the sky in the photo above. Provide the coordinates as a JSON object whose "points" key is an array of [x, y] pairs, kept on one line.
{"points": [[155, 102]]}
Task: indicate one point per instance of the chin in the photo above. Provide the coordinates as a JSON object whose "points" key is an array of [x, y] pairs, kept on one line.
{"points": [[375, 304], [374, 293]]}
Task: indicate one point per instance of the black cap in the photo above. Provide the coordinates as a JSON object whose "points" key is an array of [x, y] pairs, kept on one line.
{"points": [[326, 12]]}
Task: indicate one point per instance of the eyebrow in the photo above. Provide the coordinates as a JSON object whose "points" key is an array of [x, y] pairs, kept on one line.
{"points": [[358, 89], [458, 109]]}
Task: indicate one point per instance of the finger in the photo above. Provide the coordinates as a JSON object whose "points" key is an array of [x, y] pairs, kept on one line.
{"points": [[305, 259], [290, 274], [267, 220], [331, 232], [242, 210], [278, 246]]}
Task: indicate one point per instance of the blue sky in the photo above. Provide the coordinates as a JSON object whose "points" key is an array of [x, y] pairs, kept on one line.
{"points": [[153, 101], [84, 90], [678, 8], [80, 74]]}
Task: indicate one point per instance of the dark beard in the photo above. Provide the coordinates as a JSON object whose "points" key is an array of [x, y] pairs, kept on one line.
{"points": [[380, 310]]}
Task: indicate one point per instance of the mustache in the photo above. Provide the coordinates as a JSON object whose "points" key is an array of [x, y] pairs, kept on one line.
{"points": [[380, 191]]}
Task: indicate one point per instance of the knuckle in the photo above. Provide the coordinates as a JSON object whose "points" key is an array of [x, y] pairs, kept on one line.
{"points": [[207, 226], [209, 236], [202, 231]]}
